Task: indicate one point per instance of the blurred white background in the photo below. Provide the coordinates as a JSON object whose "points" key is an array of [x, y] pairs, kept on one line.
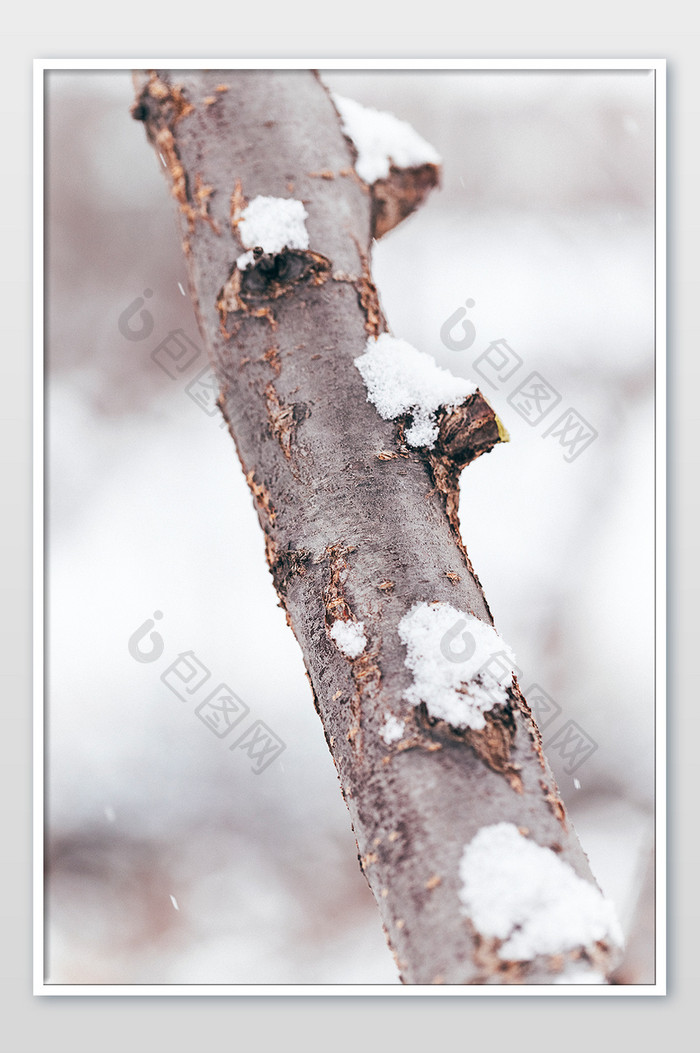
{"points": [[545, 220]]}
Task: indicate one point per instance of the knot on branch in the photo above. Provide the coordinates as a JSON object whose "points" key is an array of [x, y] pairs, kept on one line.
{"points": [[468, 430], [400, 194], [272, 275], [396, 164], [492, 744], [464, 433], [158, 99], [267, 276]]}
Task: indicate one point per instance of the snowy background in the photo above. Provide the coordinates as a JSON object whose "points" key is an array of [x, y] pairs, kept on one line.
{"points": [[170, 861]]}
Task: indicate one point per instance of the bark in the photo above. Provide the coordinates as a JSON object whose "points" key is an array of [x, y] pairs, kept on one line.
{"points": [[357, 524]]}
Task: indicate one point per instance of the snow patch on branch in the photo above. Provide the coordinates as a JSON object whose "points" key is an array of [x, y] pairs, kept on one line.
{"points": [[349, 637], [247, 259], [393, 729], [461, 666], [519, 892], [381, 139], [399, 380], [272, 224]]}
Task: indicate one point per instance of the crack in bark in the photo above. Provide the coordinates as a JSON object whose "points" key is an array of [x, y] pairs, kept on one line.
{"points": [[367, 295], [283, 419], [364, 669]]}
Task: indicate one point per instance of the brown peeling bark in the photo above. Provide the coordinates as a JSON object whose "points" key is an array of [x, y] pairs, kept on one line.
{"points": [[358, 526], [395, 198]]}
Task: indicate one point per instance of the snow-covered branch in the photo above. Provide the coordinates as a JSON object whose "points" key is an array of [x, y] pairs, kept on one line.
{"points": [[352, 443]]}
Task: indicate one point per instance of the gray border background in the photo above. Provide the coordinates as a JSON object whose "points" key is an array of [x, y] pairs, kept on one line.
{"points": [[271, 1023]]}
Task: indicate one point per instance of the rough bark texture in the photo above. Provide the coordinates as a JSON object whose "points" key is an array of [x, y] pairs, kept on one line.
{"points": [[356, 523]]}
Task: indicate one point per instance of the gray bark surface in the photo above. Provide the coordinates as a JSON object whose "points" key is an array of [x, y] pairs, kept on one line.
{"points": [[356, 523]]}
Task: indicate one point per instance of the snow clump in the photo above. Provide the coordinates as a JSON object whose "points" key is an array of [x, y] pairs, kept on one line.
{"points": [[461, 666], [399, 379], [349, 637], [381, 139], [272, 224], [393, 729], [525, 895]]}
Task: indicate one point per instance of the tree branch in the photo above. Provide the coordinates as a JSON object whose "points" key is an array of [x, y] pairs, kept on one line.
{"points": [[360, 526]]}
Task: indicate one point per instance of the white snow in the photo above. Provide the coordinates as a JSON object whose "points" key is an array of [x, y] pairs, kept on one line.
{"points": [[349, 637], [393, 729], [580, 974], [519, 892], [399, 379], [247, 259], [461, 666], [381, 139], [273, 224]]}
